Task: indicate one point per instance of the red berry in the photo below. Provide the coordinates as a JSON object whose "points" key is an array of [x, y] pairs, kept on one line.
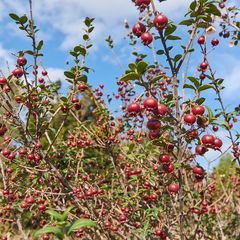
{"points": [[200, 149], [114, 228], [18, 72], [133, 108], [204, 65], [153, 124], [21, 61], [198, 110], [221, 5], [150, 103], [161, 109], [215, 41], [122, 218], [44, 73], [190, 118], [218, 143], [142, 2], [41, 207], [164, 158], [24, 205], [146, 38], [82, 87], [201, 40], [138, 29], [208, 140], [160, 21], [173, 187], [198, 170], [3, 80]]}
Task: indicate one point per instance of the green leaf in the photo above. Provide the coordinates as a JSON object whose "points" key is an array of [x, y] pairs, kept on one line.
{"points": [[88, 21], [83, 78], [56, 216], [160, 52], [210, 113], [171, 28], [141, 67], [66, 212], [23, 19], [29, 52], [201, 100], [132, 66], [64, 99], [129, 76], [69, 74], [187, 22], [14, 16], [85, 37], [204, 87], [40, 45], [155, 79], [172, 37], [186, 85], [177, 58], [193, 5], [195, 81], [80, 223], [214, 10], [57, 231]]}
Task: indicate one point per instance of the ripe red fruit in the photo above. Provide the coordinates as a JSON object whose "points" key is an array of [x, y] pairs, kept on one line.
{"points": [[218, 143], [204, 65], [142, 2], [200, 149], [154, 134], [82, 87], [221, 5], [150, 103], [153, 124], [215, 41], [208, 140], [215, 128], [160, 21], [202, 76], [114, 228], [17, 72], [44, 73], [198, 110], [122, 218], [45, 237], [107, 224], [41, 207], [30, 200], [22, 152], [161, 109], [201, 40], [190, 118], [198, 170], [164, 158], [3, 80], [133, 108], [24, 205], [146, 38], [138, 29], [18, 99], [21, 61], [173, 187], [168, 168]]}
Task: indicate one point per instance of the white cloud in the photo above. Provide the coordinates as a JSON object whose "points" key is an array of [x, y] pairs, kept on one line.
{"points": [[66, 16], [6, 59]]}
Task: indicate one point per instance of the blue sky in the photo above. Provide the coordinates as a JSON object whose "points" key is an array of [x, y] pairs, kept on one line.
{"points": [[60, 23]]}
